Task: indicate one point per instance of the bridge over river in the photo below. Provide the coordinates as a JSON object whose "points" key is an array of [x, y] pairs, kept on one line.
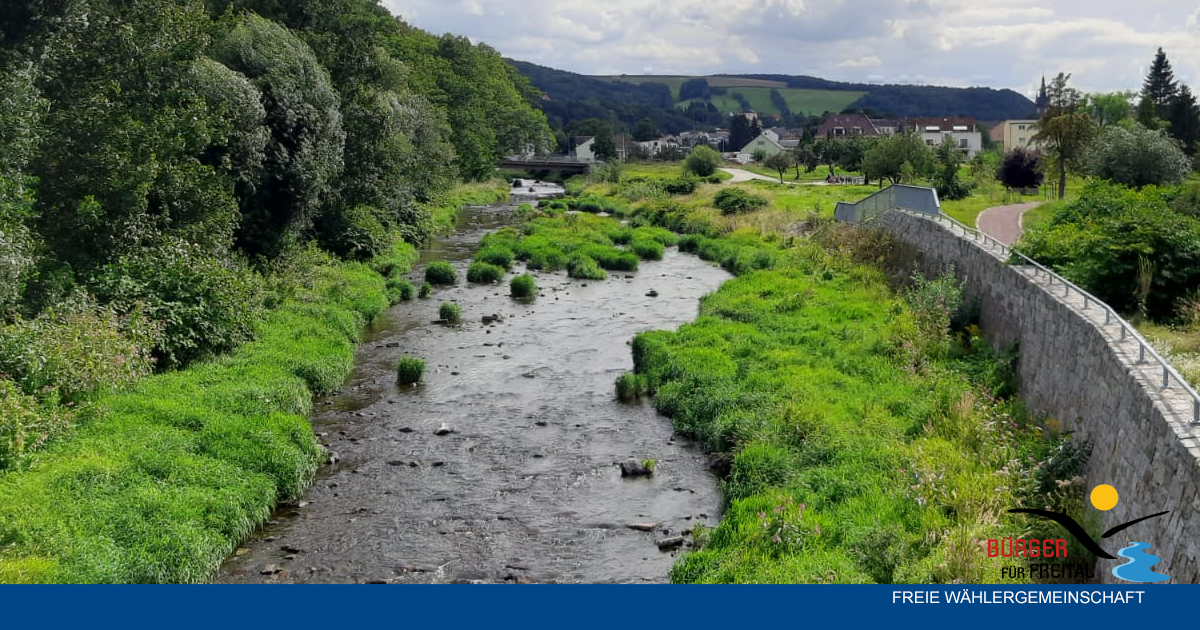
{"points": [[561, 163]]}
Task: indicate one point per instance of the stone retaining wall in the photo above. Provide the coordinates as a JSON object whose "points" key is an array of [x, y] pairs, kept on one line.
{"points": [[1076, 369]]}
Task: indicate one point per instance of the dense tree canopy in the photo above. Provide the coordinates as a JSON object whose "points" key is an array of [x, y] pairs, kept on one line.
{"points": [[154, 152], [898, 157], [1065, 128]]}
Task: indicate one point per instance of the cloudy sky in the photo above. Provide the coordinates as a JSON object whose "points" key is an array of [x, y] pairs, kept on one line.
{"points": [[1105, 44]]}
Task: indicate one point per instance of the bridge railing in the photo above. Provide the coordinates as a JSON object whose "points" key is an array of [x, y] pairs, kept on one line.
{"points": [[1146, 352], [913, 198]]}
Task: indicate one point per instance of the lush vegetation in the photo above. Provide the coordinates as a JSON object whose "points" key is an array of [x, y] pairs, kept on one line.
{"points": [[863, 429], [440, 272], [450, 312], [166, 477], [200, 205], [523, 286], [409, 370]]}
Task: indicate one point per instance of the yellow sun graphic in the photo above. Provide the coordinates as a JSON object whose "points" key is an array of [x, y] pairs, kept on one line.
{"points": [[1104, 497]]}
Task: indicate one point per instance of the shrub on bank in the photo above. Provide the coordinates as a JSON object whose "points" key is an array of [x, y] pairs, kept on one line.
{"points": [[441, 272], [647, 249], [409, 370], [498, 255], [523, 286], [450, 313], [584, 268], [484, 273], [734, 200]]}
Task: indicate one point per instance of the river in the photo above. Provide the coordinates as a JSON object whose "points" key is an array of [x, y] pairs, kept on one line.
{"points": [[526, 488]]}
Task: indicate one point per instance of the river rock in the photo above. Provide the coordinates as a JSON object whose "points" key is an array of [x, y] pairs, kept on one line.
{"points": [[642, 527], [634, 468], [444, 429], [667, 544], [652, 293]]}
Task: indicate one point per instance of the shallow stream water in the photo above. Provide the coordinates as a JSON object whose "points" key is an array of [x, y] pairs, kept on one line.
{"points": [[527, 487]]}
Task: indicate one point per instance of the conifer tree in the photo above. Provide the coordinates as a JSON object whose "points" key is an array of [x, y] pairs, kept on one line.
{"points": [[1160, 85], [1185, 121]]}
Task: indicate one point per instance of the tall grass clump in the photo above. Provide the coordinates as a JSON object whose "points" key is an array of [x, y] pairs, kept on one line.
{"points": [[484, 273], [409, 370], [450, 313], [584, 268], [440, 272], [497, 255], [522, 286]]}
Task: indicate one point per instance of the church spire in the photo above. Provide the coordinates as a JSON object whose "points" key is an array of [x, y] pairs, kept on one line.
{"points": [[1043, 101]]}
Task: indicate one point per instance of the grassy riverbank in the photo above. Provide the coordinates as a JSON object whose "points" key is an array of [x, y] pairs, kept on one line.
{"points": [[866, 439], [165, 477]]}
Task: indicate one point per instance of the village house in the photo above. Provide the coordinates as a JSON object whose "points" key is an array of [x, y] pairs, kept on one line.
{"points": [[583, 148], [1015, 133], [961, 129], [767, 142], [841, 125]]}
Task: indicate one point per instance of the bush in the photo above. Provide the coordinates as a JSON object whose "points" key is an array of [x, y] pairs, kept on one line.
{"points": [[647, 249], [207, 305], [522, 286], [77, 350], [680, 186], [353, 233], [450, 313], [583, 267], [426, 290], [496, 255], [631, 386], [738, 201], [26, 423], [410, 370], [1137, 157], [399, 290], [484, 273], [441, 272], [1021, 168], [702, 162]]}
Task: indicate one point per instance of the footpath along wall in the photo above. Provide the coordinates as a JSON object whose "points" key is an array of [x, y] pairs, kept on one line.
{"points": [[1078, 370]]}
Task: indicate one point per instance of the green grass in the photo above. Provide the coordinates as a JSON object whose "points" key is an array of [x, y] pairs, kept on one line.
{"points": [[810, 102], [522, 286], [450, 313], [757, 91], [175, 471], [484, 273], [444, 211], [858, 452], [440, 272], [409, 370]]}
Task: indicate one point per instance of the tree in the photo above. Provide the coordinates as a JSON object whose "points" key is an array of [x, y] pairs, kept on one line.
{"points": [[853, 150], [702, 162], [829, 152], [780, 162], [694, 88], [1185, 121], [741, 131], [1160, 86], [1147, 114], [1021, 168], [645, 130], [1137, 157], [1109, 109], [897, 157], [949, 158], [1065, 128], [304, 154]]}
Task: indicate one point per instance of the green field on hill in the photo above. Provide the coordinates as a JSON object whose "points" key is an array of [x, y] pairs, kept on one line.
{"points": [[758, 93]]}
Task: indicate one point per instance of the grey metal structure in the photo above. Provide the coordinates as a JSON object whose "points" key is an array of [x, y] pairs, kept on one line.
{"points": [[916, 199], [877, 204]]}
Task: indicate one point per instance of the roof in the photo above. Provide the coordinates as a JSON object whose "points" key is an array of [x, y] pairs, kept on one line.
{"points": [[769, 137], [944, 123], [579, 140], [846, 122]]}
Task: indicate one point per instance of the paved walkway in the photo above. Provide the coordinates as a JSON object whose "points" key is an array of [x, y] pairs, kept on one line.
{"points": [[742, 175], [1003, 223]]}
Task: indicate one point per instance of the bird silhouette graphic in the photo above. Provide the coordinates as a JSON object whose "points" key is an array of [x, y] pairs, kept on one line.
{"points": [[1104, 497]]}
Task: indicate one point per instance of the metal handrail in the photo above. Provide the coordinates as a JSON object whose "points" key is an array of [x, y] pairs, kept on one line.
{"points": [[1127, 329]]}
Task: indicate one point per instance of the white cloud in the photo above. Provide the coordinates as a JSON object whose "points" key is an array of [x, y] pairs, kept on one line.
{"points": [[1106, 45]]}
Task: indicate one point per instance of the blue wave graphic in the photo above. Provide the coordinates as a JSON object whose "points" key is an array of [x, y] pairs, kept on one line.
{"points": [[1138, 567]]}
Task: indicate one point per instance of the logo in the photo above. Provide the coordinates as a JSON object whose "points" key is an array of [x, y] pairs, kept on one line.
{"points": [[1138, 562]]}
